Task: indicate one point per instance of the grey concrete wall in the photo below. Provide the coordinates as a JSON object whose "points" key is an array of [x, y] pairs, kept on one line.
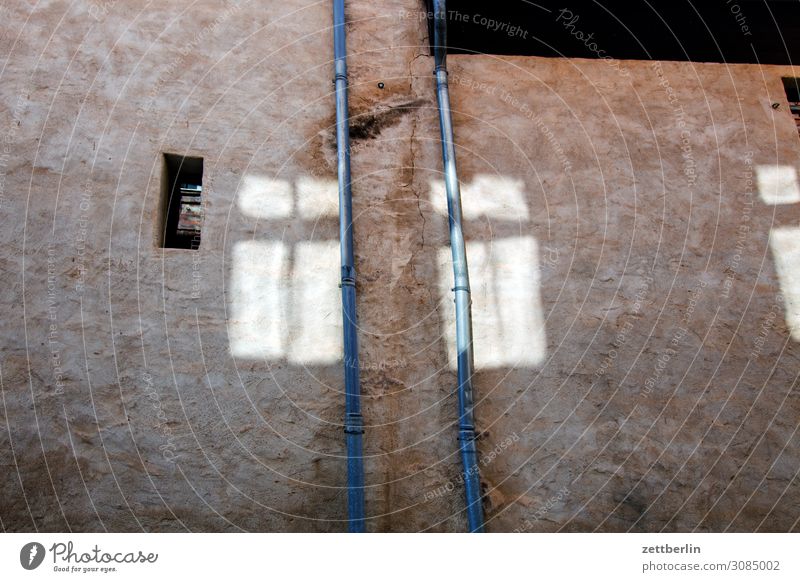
{"points": [[631, 230]]}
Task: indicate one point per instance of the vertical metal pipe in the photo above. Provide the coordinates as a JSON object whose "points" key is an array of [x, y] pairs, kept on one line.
{"points": [[353, 424], [466, 425]]}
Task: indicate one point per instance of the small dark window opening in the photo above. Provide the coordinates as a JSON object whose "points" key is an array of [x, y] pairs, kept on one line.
{"points": [[792, 87], [182, 203]]}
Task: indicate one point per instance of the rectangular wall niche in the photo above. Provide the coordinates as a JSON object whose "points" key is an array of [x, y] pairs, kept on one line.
{"points": [[792, 87], [181, 216]]}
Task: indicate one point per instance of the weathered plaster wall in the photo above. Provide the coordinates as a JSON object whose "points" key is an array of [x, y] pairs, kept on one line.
{"points": [[169, 390]]}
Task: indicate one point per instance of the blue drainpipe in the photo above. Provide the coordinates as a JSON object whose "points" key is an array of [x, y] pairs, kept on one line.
{"points": [[466, 424], [353, 424]]}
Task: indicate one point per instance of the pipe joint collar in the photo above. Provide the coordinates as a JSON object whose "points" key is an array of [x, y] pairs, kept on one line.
{"points": [[354, 424], [348, 276]]}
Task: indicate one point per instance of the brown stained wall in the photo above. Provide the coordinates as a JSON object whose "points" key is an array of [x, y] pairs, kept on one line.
{"points": [[164, 419]]}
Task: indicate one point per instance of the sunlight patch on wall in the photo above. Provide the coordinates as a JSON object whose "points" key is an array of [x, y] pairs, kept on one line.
{"points": [[310, 198], [778, 184], [256, 326], [316, 323], [317, 198], [507, 315], [785, 244], [285, 302], [495, 197], [264, 197]]}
